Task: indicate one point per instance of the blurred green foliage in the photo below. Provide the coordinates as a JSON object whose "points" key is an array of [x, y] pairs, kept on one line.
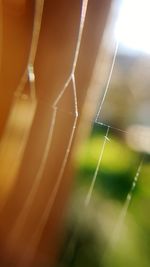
{"points": [[89, 230], [117, 168]]}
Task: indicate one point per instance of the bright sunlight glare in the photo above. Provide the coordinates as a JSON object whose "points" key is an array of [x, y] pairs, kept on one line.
{"points": [[132, 28]]}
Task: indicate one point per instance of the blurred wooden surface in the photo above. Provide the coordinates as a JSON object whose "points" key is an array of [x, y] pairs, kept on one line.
{"points": [[53, 64]]}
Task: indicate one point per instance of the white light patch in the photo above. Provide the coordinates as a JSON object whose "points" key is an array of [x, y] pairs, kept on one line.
{"points": [[31, 73], [132, 28], [138, 138]]}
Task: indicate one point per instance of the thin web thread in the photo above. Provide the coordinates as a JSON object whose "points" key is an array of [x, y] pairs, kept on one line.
{"points": [[82, 22], [21, 219], [125, 208], [71, 78], [88, 198], [20, 222], [119, 225], [38, 232], [29, 72], [111, 127], [108, 82], [77, 50], [16, 107]]}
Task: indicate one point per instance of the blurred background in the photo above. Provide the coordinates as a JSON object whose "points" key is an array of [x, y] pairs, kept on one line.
{"points": [[113, 227]]}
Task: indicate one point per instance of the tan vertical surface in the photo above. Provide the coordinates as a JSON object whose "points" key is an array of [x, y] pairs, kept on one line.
{"points": [[31, 219]]}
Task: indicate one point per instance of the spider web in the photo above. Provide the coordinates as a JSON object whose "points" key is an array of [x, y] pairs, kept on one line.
{"points": [[20, 221], [16, 230], [121, 220], [21, 115], [116, 235]]}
